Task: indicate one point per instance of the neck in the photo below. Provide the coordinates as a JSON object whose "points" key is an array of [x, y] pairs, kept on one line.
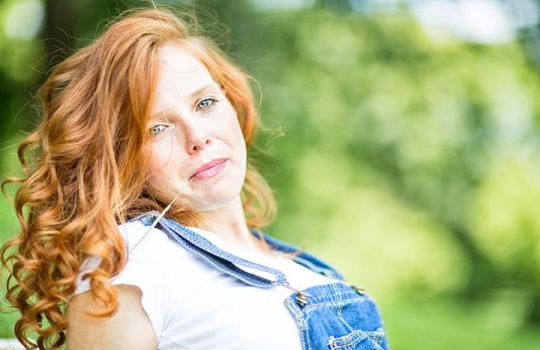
{"points": [[229, 223]]}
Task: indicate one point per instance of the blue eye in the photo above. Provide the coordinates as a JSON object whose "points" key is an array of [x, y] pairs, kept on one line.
{"points": [[206, 103], [156, 129]]}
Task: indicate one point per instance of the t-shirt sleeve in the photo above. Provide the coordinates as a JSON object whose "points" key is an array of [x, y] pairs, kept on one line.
{"points": [[141, 270]]}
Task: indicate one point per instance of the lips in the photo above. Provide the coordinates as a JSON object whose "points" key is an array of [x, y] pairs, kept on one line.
{"points": [[208, 166]]}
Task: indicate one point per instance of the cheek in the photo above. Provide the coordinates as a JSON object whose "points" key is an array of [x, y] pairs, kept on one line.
{"points": [[157, 164], [241, 144], [233, 128], [162, 153], [154, 173], [160, 176], [160, 161], [240, 141]]}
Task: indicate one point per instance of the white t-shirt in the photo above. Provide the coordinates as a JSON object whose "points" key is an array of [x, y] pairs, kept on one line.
{"points": [[194, 306]]}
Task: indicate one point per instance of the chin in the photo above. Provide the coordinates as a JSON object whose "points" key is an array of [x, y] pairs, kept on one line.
{"points": [[214, 205], [213, 200]]}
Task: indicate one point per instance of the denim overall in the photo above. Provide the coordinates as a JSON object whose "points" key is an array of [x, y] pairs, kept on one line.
{"points": [[329, 316]]}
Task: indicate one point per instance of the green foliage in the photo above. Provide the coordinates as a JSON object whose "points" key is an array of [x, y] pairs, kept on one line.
{"points": [[394, 160], [441, 324]]}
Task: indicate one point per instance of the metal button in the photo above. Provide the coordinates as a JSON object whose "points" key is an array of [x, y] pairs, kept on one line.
{"points": [[301, 299], [332, 342]]}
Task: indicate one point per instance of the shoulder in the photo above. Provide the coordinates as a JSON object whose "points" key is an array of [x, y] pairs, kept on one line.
{"points": [[144, 247], [152, 270], [151, 257], [128, 328]]}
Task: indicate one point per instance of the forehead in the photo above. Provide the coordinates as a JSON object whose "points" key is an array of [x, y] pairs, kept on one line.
{"points": [[180, 73], [176, 59]]}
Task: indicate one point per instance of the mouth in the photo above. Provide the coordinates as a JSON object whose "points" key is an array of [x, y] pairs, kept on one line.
{"points": [[210, 169]]}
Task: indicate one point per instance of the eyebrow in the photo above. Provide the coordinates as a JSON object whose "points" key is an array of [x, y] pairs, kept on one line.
{"points": [[193, 94]]}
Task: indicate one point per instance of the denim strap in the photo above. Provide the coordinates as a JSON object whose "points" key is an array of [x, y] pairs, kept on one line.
{"points": [[230, 263], [213, 255]]}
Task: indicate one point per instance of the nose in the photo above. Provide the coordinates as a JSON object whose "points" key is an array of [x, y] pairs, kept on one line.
{"points": [[197, 136]]}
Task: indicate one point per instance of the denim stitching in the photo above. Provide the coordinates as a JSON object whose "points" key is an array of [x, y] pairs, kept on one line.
{"points": [[333, 303], [299, 319], [349, 340], [356, 336], [298, 316], [306, 337], [344, 296], [379, 317], [211, 248], [340, 306], [305, 258], [222, 253], [208, 247], [233, 270], [377, 334]]}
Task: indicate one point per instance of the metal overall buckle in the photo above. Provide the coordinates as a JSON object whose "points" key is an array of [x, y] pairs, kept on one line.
{"points": [[301, 297]]}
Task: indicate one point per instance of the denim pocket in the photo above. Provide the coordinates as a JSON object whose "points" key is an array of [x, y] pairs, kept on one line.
{"points": [[336, 316], [358, 340], [361, 317]]}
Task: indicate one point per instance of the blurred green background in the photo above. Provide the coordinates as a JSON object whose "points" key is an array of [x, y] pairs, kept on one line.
{"points": [[401, 138]]}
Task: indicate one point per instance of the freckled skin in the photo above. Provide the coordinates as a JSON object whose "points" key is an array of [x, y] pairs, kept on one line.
{"points": [[192, 131]]}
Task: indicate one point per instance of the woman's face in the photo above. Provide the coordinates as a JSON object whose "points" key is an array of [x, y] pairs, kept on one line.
{"points": [[193, 123]]}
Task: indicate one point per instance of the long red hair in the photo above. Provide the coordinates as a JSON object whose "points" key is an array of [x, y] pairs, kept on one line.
{"points": [[85, 173]]}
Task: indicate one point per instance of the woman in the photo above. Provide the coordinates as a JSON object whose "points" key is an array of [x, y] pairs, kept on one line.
{"points": [[144, 212]]}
